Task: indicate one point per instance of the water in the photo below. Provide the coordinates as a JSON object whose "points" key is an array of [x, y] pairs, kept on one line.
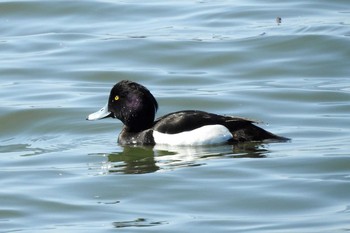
{"points": [[59, 60]]}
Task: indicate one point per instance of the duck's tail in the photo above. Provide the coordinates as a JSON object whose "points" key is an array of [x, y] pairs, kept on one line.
{"points": [[251, 132]]}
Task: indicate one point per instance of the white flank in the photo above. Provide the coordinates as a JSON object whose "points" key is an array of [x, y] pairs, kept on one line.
{"points": [[205, 135]]}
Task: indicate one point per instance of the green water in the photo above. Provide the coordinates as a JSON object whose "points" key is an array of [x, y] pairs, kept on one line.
{"points": [[59, 60]]}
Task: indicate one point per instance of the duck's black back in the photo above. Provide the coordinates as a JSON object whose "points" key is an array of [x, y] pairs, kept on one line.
{"points": [[240, 128]]}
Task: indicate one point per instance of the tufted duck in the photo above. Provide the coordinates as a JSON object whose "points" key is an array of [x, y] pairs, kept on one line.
{"points": [[136, 107]]}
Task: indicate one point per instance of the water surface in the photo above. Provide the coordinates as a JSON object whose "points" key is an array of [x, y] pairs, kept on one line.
{"points": [[60, 172]]}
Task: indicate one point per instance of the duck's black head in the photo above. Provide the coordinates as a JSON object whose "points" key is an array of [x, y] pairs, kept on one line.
{"points": [[131, 103]]}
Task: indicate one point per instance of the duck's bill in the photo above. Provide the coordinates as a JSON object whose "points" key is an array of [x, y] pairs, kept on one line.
{"points": [[100, 114]]}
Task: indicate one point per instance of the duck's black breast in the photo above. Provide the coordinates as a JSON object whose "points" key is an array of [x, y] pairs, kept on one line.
{"points": [[140, 138]]}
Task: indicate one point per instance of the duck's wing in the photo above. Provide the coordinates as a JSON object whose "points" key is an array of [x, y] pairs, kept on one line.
{"points": [[190, 119]]}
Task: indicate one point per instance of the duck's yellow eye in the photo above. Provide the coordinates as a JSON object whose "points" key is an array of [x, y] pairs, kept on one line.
{"points": [[116, 97]]}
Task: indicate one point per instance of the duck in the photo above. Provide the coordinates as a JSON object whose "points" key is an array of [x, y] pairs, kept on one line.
{"points": [[135, 106]]}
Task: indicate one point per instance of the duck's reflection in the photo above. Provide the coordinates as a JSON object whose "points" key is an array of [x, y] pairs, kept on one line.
{"points": [[133, 160], [139, 160]]}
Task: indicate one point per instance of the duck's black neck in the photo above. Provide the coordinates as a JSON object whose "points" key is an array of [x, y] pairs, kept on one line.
{"points": [[138, 127]]}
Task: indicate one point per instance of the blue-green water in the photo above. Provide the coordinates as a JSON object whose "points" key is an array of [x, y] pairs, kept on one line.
{"points": [[59, 60]]}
